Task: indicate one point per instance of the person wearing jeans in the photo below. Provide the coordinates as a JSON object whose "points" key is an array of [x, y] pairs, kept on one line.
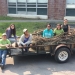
{"points": [[4, 44], [3, 56]]}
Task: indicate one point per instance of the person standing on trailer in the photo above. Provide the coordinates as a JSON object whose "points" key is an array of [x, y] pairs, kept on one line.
{"points": [[66, 27]]}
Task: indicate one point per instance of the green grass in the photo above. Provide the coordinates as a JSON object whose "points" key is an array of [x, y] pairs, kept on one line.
{"points": [[6, 18], [16, 18], [31, 26]]}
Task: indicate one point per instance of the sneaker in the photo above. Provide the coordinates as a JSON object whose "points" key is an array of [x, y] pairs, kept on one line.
{"points": [[2, 66]]}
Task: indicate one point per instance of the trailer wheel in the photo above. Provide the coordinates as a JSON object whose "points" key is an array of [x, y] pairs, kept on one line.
{"points": [[62, 55]]}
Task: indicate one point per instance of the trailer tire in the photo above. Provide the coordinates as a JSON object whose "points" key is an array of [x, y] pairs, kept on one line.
{"points": [[62, 55]]}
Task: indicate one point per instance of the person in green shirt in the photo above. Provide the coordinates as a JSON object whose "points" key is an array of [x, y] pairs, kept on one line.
{"points": [[4, 44], [58, 30]]}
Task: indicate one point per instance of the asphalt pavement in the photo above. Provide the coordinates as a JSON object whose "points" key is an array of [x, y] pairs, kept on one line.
{"points": [[38, 65]]}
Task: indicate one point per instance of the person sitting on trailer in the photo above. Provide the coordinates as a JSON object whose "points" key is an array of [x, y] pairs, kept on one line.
{"points": [[25, 39], [4, 44], [48, 32], [11, 33], [58, 30]]}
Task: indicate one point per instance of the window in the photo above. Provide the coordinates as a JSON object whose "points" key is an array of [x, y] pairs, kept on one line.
{"points": [[42, 1], [12, 1], [12, 6], [12, 10], [42, 5], [29, 7], [21, 10], [21, 6], [70, 12], [70, 1], [70, 8], [21, 1], [31, 1], [42, 11], [31, 11]]}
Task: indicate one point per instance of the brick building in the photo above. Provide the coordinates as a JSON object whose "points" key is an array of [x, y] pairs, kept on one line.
{"points": [[3, 8], [45, 9]]}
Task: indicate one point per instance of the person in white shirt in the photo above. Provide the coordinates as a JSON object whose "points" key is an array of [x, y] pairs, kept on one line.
{"points": [[25, 39]]}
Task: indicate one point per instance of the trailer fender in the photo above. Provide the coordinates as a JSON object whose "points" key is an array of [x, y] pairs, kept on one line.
{"points": [[60, 46]]}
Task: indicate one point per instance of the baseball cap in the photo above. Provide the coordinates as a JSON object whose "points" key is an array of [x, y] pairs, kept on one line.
{"points": [[4, 34], [24, 30]]}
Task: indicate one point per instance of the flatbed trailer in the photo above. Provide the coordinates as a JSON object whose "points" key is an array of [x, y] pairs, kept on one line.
{"points": [[62, 52]]}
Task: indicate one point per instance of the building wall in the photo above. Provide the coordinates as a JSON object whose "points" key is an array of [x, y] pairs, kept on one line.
{"points": [[3, 7], [56, 9]]}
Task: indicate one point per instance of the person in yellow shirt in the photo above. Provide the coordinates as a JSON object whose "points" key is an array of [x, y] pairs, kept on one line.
{"points": [[4, 44]]}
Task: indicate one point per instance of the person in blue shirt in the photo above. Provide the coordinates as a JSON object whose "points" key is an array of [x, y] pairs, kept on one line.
{"points": [[48, 32]]}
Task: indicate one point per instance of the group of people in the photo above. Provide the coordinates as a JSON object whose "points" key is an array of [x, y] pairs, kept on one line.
{"points": [[60, 29], [25, 40], [8, 38]]}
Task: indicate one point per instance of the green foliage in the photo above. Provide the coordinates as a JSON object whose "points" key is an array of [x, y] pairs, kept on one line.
{"points": [[31, 26], [6, 18]]}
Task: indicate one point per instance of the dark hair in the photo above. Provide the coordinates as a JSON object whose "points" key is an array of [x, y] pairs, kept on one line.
{"points": [[12, 31], [59, 25], [49, 24]]}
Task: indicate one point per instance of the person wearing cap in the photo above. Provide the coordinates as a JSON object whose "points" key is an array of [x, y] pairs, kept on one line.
{"points": [[58, 30], [25, 39], [4, 44], [48, 32]]}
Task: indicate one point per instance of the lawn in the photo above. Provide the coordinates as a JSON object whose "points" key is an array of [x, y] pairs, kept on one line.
{"points": [[16, 18], [31, 26]]}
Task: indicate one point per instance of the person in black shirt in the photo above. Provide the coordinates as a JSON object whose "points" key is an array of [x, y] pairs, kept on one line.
{"points": [[66, 27]]}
